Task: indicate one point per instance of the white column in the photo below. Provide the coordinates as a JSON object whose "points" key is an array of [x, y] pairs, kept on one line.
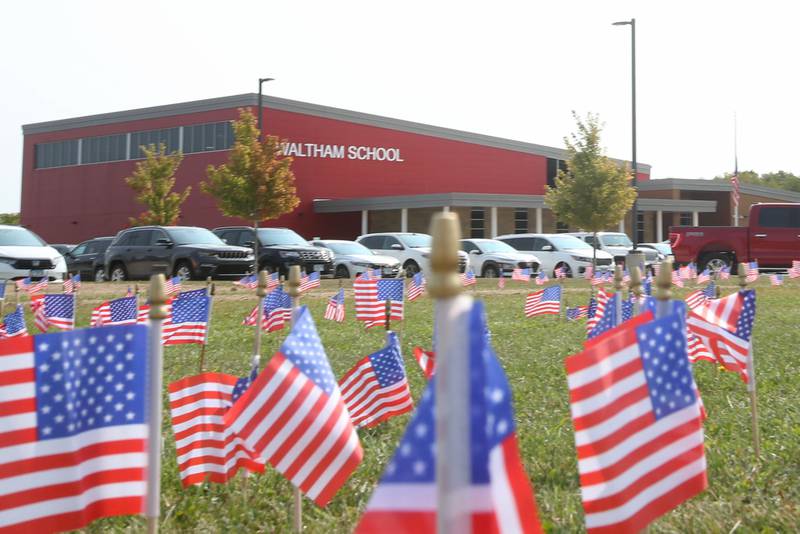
{"points": [[445, 208], [622, 225], [493, 217], [538, 220], [404, 219], [364, 221], [695, 218], [659, 226]]}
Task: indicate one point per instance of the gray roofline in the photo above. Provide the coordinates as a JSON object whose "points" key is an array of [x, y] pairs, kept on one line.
{"points": [[690, 184], [673, 205], [294, 106]]}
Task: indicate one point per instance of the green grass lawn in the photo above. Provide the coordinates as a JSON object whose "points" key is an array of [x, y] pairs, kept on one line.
{"points": [[743, 495]]}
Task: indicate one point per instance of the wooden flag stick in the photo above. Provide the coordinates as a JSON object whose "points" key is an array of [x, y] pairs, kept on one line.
{"points": [[636, 288], [751, 374], [210, 290], [158, 312], [293, 289], [3, 300], [618, 289], [261, 292], [16, 293], [663, 289], [561, 306], [388, 316]]}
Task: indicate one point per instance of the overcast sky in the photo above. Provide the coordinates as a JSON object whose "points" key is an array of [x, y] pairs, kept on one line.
{"points": [[513, 70]]}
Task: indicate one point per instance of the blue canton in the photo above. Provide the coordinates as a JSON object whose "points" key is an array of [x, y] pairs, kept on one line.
{"points": [[276, 299], [665, 361], [3, 290], [194, 294], [304, 349], [59, 306], [387, 363], [191, 310], [551, 294], [88, 379], [390, 289], [243, 383], [711, 290], [15, 321], [124, 309], [744, 326]]}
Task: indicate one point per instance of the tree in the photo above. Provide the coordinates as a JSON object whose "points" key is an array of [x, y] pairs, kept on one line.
{"points": [[9, 218], [776, 180], [594, 193], [153, 181], [257, 183]]}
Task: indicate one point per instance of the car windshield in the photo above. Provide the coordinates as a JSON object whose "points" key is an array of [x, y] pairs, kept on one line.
{"points": [[19, 237], [280, 236], [562, 242], [193, 236], [416, 240], [616, 240], [491, 247], [663, 248], [347, 247]]}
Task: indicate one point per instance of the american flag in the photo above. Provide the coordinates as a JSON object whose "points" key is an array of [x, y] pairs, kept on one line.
{"points": [[206, 448], [72, 284], [501, 281], [376, 388], [188, 318], [38, 287], [609, 320], [724, 327], [601, 278], [776, 279], [416, 287], [54, 310], [656, 268], [626, 277], [371, 274], [597, 308], [334, 311], [498, 497], [14, 323], [794, 271], [371, 296], [685, 272], [560, 272], [248, 282], [117, 311], [541, 278], [309, 281], [310, 438], [698, 351], [735, 188], [577, 312], [676, 278], [426, 360], [468, 278], [74, 430], [752, 272], [700, 297], [588, 274], [724, 273], [704, 277], [544, 302], [640, 453], [647, 285], [521, 275], [23, 284], [277, 312], [2, 289], [173, 285]]}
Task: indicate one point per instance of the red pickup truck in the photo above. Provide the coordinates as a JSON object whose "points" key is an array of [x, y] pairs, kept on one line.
{"points": [[772, 239]]}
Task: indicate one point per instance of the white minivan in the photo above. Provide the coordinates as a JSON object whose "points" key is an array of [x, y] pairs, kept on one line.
{"points": [[413, 250], [559, 250]]}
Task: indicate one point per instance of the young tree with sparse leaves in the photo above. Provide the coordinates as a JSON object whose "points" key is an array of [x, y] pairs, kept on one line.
{"points": [[257, 183], [594, 193], [153, 181]]}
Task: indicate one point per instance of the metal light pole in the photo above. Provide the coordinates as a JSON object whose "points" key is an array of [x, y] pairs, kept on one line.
{"points": [[262, 81], [635, 168]]}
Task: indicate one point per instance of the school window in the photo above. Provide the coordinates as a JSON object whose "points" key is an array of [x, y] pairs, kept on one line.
{"points": [[207, 137], [561, 228], [57, 154], [477, 220], [520, 220], [640, 227], [686, 219], [104, 148], [553, 166], [169, 137]]}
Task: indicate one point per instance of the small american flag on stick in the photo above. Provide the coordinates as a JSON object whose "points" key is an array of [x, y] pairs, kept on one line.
{"points": [[334, 311], [544, 302]]}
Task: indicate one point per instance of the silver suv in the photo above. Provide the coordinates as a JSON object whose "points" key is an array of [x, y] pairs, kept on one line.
{"points": [[618, 245]]}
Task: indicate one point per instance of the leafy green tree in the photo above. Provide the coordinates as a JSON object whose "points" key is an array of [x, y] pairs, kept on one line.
{"points": [[776, 180], [153, 181], [257, 182], [594, 193], [9, 218]]}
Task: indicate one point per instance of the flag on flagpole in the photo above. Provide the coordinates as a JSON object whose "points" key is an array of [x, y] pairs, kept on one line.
{"points": [[334, 311], [371, 296], [544, 302], [426, 360], [639, 454], [724, 273], [501, 281], [677, 279], [65, 467], [72, 284], [588, 274], [23, 284], [499, 496], [541, 278], [700, 297], [54, 310], [468, 278], [577, 312], [173, 285], [416, 287], [187, 319], [206, 448], [597, 308], [118, 311], [560, 273], [776, 279], [309, 281], [752, 272], [2, 289], [704, 277], [310, 439], [794, 271], [277, 311], [735, 188], [248, 282], [376, 388], [14, 323], [521, 275]]}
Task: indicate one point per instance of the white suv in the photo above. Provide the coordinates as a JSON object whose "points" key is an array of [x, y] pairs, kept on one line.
{"points": [[491, 258], [23, 254], [413, 250], [559, 250], [619, 245]]}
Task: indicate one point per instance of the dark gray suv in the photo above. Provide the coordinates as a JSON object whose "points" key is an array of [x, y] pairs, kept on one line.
{"points": [[185, 251]]}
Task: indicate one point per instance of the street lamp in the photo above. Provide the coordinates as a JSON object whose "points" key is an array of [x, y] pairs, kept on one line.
{"points": [[635, 168], [261, 81]]}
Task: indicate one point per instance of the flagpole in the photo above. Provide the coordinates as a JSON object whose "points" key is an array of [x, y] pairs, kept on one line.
{"points": [[261, 292], [388, 312], [210, 290], [735, 169], [561, 298], [751, 373], [663, 289], [16, 293], [3, 300], [452, 415], [293, 290], [155, 353], [636, 288], [618, 290]]}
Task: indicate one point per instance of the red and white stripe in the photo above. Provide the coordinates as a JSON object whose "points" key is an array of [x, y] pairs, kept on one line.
{"points": [[534, 305], [368, 403], [206, 449], [371, 310], [698, 351], [729, 350], [794, 270], [426, 360], [334, 311], [696, 298], [176, 334], [64, 483], [301, 431], [599, 311]]}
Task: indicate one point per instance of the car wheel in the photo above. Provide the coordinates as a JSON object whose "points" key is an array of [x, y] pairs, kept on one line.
{"points": [[342, 272], [566, 267], [490, 271], [184, 270], [118, 273], [99, 275], [411, 268], [715, 262]]}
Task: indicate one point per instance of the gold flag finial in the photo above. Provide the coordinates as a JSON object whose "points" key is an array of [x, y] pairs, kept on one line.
{"points": [[664, 281], [157, 295], [293, 284], [618, 277], [443, 281], [742, 276], [263, 281], [636, 281]]}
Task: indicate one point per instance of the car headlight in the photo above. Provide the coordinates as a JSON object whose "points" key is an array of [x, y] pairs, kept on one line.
{"points": [[507, 265], [361, 264], [8, 260], [581, 258], [288, 254], [426, 254]]}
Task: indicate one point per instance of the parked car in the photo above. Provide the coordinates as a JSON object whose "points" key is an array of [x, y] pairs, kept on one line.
{"points": [[350, 259], [559, 250], [772, 238], [23, 254], [62, 248], [663, 248], [491, 258], [88, 259], [618, 245], [413, 250], [279, 248], [185, 251]]}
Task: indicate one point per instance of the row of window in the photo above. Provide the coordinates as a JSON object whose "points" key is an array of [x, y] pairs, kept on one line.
{"points": [[121, 147], [477, 223]]}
